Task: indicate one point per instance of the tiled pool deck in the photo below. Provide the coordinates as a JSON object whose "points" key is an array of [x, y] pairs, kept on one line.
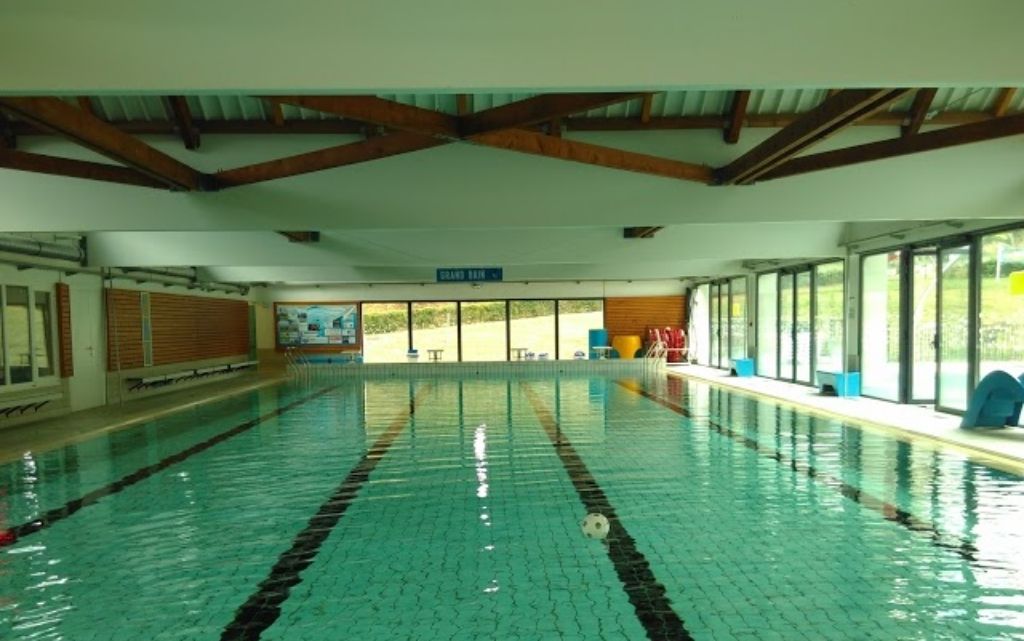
{"points": [[1003, 448]]}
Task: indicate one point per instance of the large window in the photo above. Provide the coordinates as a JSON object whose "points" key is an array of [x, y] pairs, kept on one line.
{"points": [[716, 325], [1000, 318], [738, 318], [800, 321], [385, 332], [786, 326], [483, 331], [829, 295], [479, 330], [27, 352], [803, 326], [575, 320], [880, 325], [532, 326], [767, 325], [954, 329], [700, 319], [436, 326]]}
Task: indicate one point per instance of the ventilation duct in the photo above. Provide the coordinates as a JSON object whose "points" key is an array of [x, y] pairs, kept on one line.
{"points": [[41, 249]]}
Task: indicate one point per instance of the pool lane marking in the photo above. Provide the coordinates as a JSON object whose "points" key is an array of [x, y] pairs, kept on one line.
{"points": [[11, 535], [889, 511], [647, 595], [263, 608]]}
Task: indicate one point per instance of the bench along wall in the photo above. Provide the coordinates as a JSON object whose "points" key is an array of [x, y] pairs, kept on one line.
{"points": [[184, 332]]}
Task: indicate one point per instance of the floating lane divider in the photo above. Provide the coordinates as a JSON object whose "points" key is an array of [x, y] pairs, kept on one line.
{"points": [[263, 608], [647, 595], [890, 512], [48, 518]]}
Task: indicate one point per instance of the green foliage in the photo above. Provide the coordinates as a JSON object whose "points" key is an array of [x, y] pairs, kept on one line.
{"points": [[385, 321]]}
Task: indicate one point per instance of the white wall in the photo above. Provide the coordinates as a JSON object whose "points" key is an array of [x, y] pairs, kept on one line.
{"points": [[264, 297]]}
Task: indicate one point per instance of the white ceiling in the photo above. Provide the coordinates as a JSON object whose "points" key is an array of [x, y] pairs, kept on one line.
{"points": [[369, 46], [397, 219]]}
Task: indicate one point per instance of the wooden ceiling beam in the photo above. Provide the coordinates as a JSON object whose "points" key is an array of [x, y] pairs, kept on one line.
{"points": [[377, 111], [301, 236], [276, 114], [85, 104], [8, 139], [640, 232], [737, 114], [55, 166], [645, 108], [538, 144], [89, 131], [181, 115], [835, 113], [210, 127], [918, 111], [1003, 101], [539, 109], [329, 158], [927, 141], [344, 127]]}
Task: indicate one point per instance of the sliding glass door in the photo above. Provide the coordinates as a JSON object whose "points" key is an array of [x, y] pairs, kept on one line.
{"points": [[829, 319], [716, 328], [738, 318], [880, 345], [787, 327], [767, 360], [923, 325], [954, 380], [802, 338]]}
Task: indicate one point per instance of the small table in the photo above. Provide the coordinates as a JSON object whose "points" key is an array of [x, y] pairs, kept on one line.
{"points": [[435, 354], [602, 351], [520, 352]]}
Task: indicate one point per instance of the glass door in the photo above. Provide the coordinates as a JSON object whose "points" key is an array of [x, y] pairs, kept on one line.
{"points": [[953, 379], [767, 325], [803, 337], [715, 326], [923, 325], [786, 327], [880, 348]]}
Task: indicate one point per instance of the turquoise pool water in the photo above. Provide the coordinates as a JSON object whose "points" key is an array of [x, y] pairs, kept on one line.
{"points": [[450, 509]]}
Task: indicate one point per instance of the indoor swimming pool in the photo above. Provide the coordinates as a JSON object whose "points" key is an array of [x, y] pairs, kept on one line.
{"points": [[450, 509]]}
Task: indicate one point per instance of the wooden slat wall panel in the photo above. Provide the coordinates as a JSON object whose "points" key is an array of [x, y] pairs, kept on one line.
{"points": [[185, 328], [632, 316], [192, 328], [63, 297], [124, 329]]}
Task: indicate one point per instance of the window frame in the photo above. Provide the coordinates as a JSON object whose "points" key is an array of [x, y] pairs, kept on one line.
{"points": [[36, 381]]}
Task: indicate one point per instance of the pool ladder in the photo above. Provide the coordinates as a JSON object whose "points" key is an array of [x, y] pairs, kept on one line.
{"points": [[656, 356], [296, 365]]}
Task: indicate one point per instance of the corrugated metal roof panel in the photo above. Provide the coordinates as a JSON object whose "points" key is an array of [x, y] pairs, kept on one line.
{"points": [[663, 104]]}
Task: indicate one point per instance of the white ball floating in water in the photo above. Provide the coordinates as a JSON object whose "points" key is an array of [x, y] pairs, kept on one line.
{"points": [[595, 526]]}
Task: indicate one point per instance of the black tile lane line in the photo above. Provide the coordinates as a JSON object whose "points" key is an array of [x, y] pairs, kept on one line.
{"points": [[48, 518], [647, 595], [890, 512], [263, 608]]}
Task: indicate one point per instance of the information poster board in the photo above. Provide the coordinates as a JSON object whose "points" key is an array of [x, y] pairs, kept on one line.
{"points": [[317, 325]]}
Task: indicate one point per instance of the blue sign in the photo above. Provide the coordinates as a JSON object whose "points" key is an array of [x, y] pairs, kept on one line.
{"points": [[468, 274]]}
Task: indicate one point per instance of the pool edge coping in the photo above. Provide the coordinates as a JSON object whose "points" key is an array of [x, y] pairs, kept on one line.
{"points": [[149, 416], [999, 460]]}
